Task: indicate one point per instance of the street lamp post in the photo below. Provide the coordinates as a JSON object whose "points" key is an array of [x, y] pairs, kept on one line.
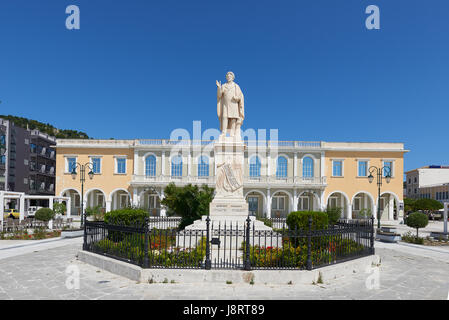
{"points": [[82, 179], [379, 184]]}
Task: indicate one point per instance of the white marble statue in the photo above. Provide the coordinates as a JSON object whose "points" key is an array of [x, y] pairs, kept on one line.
{"points": [[230, 106]]}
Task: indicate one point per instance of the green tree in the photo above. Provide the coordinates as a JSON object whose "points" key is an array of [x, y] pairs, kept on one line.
{"points": [[427, 205], [417, 220], [333, 214], [45, 128], [59, 208], [409, 204], [189, 202]]}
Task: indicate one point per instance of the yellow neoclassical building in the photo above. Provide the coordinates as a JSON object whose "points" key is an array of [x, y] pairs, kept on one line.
{"points": [[279, 176]]}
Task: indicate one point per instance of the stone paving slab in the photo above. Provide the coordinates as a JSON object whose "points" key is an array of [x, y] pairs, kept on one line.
{"points": [[41, 275]]}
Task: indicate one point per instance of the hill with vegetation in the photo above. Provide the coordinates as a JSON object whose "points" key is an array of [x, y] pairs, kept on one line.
{"points": [[45, 128]]}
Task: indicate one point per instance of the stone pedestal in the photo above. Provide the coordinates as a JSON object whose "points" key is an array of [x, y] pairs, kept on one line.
{"points": [[229, 205]]}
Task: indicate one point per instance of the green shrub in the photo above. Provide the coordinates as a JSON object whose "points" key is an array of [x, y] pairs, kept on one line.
{"points": [[126, 217], [323, 251], [44, 214], [300, 220], [133, 249], [95, 212], [417, 220], [408, 237], [364, 213], [333, 214]]}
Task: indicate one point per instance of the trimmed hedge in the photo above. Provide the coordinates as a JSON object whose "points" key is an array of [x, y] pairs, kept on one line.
{"points": [[44, 214], [126, 217], [300, 220]]}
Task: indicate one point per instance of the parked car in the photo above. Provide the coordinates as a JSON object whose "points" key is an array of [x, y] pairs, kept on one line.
{"points": [[32, 211], [11, 213]]}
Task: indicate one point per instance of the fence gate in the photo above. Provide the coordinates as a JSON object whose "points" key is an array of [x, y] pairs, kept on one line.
{"points": [[227, 240]]}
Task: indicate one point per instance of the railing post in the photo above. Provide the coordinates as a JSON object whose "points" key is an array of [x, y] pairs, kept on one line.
{"points": [[372, 235], [145, 246], [247, 263], [309, 245], [208, 263]]}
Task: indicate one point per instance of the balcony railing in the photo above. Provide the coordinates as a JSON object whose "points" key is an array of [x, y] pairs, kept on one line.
{"points": [[168, 142], [272, 180], [287, 180], [274, 143], [167, 179]]}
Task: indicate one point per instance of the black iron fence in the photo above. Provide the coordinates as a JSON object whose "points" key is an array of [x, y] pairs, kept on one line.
{"points": [[164, 222], [231, 245]]}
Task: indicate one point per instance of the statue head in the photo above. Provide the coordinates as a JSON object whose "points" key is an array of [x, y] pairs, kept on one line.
{"points": [[230, 76]]}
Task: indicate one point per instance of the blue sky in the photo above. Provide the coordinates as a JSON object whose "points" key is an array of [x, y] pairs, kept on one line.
{"points": [[139, 69]]}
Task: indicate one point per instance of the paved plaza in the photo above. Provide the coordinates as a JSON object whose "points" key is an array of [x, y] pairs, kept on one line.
{"points": [[38, 271]]}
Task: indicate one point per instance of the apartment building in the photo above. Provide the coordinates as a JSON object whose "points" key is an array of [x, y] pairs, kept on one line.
{"points": [[28, 161], [279, 176], [430, 182]]}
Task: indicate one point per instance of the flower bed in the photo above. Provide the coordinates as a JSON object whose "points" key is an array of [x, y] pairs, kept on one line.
{"points": [[24, 235], [161, 251], [293, 253]]}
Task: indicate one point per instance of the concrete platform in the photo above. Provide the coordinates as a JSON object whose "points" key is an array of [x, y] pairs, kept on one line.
{"points": [[218, 276]]}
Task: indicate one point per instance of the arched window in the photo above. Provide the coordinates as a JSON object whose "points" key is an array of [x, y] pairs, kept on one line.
{"points": [[254, 167], [281, 168], [307, 167], [203, 166], [176, 166], [150, 166]]}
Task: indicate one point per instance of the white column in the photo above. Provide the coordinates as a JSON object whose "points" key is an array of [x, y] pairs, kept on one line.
{"points": [[322, 165], [295, 199], [295, 166], [135, 197], [2, 208], [163, 163], [136, 162], [268, 204], [189, 165], [69, 207], [390, 207], [22, 207], [347, 206], [322, 204], [269, 164], [108, 205]]}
